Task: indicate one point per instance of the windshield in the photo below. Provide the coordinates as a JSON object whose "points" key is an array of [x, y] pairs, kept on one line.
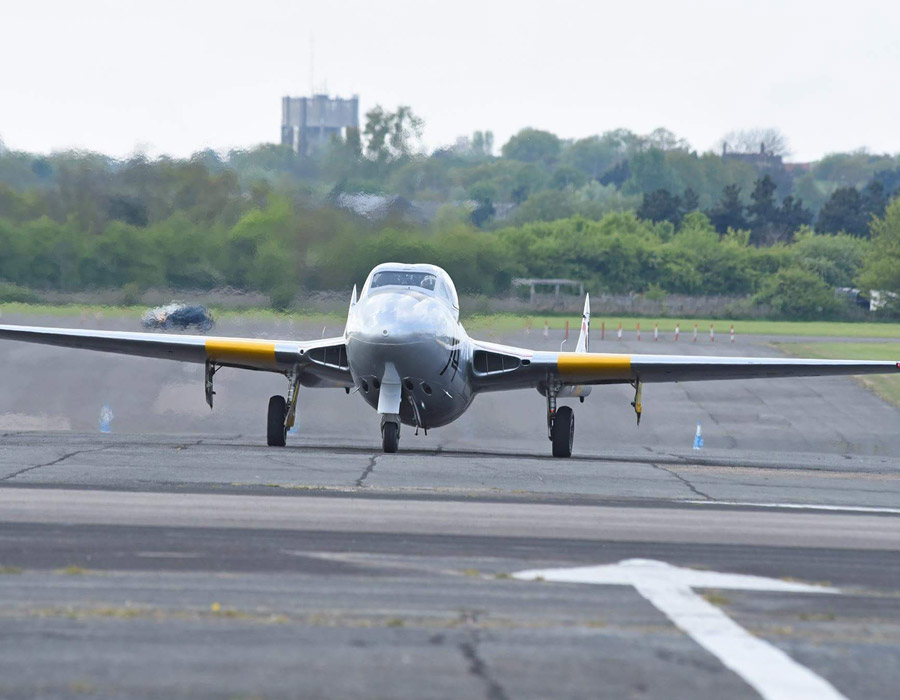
{"points": [[425, 280]]}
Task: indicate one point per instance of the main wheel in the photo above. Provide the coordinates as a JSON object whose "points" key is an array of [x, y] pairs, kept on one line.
{"points": [[275, 430], [563, 432], [390, 437]]}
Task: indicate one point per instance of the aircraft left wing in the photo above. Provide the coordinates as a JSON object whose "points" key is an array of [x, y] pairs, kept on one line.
{"points": [[499, 367], [320, 362]]}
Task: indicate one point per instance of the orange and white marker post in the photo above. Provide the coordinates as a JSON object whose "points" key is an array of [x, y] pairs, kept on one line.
{"points": [[712, 334], [695, 332], [546, 329], [602, 330], [732, 332], [639, 331], [619, 333], [676, 332], [567, 330], [655, 332]]}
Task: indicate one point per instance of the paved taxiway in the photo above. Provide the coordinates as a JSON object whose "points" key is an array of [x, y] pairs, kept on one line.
{"points": [[181, 557]]}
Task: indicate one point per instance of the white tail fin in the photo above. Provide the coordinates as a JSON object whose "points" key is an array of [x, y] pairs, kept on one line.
{"points": [[350, 310], [584, 336]]}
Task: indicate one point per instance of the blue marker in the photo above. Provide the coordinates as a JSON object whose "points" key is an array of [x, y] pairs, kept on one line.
{"points": [[106, 416], [698, 438]]}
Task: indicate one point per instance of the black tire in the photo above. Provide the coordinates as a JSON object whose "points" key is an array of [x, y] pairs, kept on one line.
{"points": [[390, 437], [276, 433], [563, 432]]}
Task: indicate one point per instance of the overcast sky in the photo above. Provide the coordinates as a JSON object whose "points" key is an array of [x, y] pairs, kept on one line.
{"points": [[175, 77]]}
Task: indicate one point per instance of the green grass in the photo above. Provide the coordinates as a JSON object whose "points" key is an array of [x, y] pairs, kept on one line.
{"points": [[64, 310], [886, 386], [504, 323], [511, 322]]}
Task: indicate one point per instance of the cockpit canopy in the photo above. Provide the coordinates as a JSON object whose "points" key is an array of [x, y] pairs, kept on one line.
{"points": [[404, 278], [430, 279]]}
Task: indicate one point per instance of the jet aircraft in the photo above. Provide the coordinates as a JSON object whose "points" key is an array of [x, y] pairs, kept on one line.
{"points": [[409, 357]]}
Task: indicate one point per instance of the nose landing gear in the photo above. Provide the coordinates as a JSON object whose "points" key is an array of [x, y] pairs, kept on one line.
{"points": [[560, 425], [390, 436]]}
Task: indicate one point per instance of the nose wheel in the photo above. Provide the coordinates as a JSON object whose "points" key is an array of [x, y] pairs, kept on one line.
{"points": [[390, 437]]}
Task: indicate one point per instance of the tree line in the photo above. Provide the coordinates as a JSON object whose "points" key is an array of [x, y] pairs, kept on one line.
{"points": [[623, 212]]}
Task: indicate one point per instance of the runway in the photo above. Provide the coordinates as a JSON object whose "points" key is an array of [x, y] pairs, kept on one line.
{"points": [[179, 556]]}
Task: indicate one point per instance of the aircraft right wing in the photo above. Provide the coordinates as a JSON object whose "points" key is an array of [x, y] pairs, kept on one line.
{"points": [[500, 367]]}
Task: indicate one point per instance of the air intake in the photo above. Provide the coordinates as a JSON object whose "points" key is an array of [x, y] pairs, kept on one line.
{"points": [[333, 356], [486, 362]]}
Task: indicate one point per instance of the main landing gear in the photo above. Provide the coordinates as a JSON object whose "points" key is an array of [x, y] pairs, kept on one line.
{"points": [[282, 412], [560, 425]]}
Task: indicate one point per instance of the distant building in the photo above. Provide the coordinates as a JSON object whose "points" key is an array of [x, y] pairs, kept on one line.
{"points": [[764, 160], [308, 123]]}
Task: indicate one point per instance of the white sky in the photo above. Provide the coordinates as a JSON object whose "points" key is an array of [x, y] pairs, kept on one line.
{"points": [[175, 77]]}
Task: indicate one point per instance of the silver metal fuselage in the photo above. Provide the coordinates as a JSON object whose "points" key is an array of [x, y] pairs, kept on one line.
{"points": [[419, 334]]}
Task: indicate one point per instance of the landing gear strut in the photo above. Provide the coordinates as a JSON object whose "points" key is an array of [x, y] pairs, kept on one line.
{"points": [[560, 425], [282, 412]]}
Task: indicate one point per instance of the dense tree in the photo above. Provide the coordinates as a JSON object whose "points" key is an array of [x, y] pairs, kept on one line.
{"points": [[483, 143], [690, 201], [762, 212], [391, 135], [267, 219], [888, 182], [650, 171], [661, 205], [844, 212], [546, 205], [791, 216], [665, 140], [566, 176], [617, 175], [850, 169], [483, 195], [881, 270], [728, 213], [794, 292], [837, 259], [533, 146], [594, 155]]}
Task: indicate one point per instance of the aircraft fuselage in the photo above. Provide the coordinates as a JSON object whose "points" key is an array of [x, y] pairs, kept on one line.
{"points": [[426, 345]]}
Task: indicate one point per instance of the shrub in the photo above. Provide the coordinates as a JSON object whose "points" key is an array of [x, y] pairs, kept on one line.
{"points": [[796, 293]]}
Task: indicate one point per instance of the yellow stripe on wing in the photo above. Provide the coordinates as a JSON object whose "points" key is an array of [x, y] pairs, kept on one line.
{"points": [[589, 366], [247, 353]]}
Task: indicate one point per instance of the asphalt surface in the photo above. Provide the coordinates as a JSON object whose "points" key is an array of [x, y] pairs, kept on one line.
{"points": [[179, 556]]}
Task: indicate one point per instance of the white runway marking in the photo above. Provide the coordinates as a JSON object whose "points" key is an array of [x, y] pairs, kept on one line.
{"points": [[771, 672], [799, 506]]}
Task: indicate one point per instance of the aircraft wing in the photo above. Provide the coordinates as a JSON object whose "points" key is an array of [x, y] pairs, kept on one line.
{"points": [[321, 362], [499, 367]]}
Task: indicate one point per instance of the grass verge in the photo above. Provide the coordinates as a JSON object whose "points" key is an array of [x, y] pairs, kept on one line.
{"points": [[511, 322], [886, 386], [834, 329]]}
